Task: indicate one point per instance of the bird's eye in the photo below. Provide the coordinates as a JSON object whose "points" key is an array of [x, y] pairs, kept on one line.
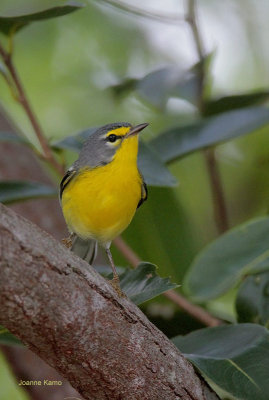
{"points": [[112, 138]]}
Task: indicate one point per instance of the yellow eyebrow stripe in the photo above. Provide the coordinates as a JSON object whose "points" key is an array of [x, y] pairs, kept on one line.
{"points": [[119, 131]]}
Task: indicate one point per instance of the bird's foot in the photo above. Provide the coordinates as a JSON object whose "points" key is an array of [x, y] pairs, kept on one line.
{"points": [[115, 283], [67, 242]]}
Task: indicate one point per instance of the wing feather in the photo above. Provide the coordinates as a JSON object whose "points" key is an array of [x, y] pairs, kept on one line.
{"points": [[144, 192], [66, 179]]}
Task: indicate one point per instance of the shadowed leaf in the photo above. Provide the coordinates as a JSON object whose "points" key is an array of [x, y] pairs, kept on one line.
{"points": [[7, 338], [252, 303], [10, 24], [178, 142], [220, 266], [143, 283], [236, 358], [153, 169], [10, 137], [158, 86], [73, 143], [12, 191], [227, 103]]}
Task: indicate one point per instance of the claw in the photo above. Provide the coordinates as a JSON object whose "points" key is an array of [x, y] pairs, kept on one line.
{"points": [[67, 242], [115, 283]]}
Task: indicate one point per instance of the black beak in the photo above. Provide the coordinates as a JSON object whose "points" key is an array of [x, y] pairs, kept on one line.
{"points": [[136, 129]]}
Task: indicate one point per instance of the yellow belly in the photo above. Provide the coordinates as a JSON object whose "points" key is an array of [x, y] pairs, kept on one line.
{"points": [[100, 203]]}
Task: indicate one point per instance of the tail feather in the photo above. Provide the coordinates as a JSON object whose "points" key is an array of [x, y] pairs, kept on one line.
{"points": [[85, 249]]}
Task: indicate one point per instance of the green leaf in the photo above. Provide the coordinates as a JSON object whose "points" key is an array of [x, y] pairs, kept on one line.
{"points": [[152, 168], [143, 283], [73, 143], [178, 142], [7, 338], [12, 191], [13, 23], [10, 137], [124, 87], [236, 358], [252, 302], [221, 265], [227, 103], [158, 86]]}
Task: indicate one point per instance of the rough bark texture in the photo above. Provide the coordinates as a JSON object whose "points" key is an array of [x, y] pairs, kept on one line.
{"points": [[71, 317], [45, 213]]}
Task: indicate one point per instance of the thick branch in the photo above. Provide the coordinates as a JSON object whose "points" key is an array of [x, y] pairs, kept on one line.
{"points": [[71, 317]]}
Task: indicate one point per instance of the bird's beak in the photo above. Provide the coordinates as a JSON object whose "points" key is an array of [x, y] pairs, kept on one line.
{"points": [[136, 129]]}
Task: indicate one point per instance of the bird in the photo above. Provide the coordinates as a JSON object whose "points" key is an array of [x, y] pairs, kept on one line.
{"points": [[101, 191]]}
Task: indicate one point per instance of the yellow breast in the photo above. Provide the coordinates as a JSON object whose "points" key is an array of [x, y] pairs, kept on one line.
{"points": [[100, 203]]}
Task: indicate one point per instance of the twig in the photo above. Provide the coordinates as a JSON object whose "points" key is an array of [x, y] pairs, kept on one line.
{"points": [[195, 311], [22, 99], [219, 205], [220, 212]]}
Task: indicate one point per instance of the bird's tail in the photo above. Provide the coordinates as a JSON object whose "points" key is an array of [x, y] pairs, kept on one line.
{"points": [[85, 249]]}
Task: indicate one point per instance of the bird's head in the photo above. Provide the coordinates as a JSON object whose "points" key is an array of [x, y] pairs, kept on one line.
{"points": [[108, 142]]}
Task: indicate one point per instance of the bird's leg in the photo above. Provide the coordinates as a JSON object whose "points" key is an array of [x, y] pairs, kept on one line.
{"points": [[115, 282], [68, 241]]}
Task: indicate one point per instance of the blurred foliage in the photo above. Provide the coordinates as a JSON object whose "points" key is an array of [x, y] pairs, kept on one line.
{"points": [[7, 338], [9, 389], [100, 65], [9, 191]]}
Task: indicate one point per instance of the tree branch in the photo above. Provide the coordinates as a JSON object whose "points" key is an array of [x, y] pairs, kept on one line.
{"points": [[72, 318]]}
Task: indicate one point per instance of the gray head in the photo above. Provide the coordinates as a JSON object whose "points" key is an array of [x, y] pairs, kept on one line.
{"points": [[101, 146]]}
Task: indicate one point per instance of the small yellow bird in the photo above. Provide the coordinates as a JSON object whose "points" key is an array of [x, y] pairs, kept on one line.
{"points": [[101, 191]]}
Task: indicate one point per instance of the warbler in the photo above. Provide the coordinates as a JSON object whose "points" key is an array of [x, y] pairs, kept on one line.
{"points": [[101, 191]]}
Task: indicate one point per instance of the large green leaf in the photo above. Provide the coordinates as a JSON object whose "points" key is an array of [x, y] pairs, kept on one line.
{"points": [[227, 103], [74, 142], [252, 302], [178, 142], [158, 86], [236, 358], [143, 283], [12, 191], [153, 169], [220, 266], [7, 338], [13, 23]]}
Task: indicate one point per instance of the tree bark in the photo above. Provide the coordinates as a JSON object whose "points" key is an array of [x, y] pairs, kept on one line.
{"points": [[71, 317]]}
